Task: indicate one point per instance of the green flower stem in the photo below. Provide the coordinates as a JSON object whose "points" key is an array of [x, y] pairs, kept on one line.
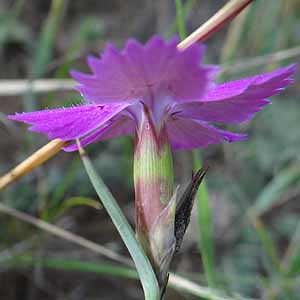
{"points": [[206, 244], [144, 268], [153, 184]]}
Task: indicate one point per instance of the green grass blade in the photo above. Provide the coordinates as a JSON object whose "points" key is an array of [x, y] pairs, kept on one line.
{"points": [[290, 263], [180, 19], [45, 44], [44, 48], [25, 261], [8, 21], [270, 195], [76, 201], [269, 246], [176, 281], [144, 268], [186, 9], [90, 31], [206, 243]]}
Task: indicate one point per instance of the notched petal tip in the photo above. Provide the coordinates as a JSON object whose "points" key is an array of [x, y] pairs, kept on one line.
{"points": [[92, 61], [15, 117], [71, 122], [187, 134], [132, 45], [237, 101], [139, 71], [233, 137], [154, 41]]}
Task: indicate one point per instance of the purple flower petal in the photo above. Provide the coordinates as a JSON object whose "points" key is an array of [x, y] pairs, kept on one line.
{"points": [[187, 134], [121, 126], [237, 101], [174, 87], [69, 123], [140, 72]]}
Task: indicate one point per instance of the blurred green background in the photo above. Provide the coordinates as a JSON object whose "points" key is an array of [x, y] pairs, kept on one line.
{"points": [[253, 186]]}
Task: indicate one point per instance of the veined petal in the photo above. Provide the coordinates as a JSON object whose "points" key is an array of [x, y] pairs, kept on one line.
{"points": [[237, 101], [140, 72], [188, 134], [185, 79], [254, 86], [72, 122], [119, 126]]}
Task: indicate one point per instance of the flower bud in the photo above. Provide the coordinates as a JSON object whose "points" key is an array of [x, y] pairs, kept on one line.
{"points": [[155, 207], [162, 216]]}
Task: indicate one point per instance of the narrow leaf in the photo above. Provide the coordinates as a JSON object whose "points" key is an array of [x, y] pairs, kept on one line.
{"points": [[144, 268]]}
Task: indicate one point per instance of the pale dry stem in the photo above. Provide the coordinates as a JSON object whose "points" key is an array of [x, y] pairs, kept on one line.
{"points": [[32, 162], [224, 15]]}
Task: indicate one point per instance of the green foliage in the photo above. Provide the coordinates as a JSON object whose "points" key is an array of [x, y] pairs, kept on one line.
{"points": [[256, 254], [11, 29], [143, 266]]}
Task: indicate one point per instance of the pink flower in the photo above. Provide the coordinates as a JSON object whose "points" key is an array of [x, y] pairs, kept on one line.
{"points": [[178, 91], [168, 98]]}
